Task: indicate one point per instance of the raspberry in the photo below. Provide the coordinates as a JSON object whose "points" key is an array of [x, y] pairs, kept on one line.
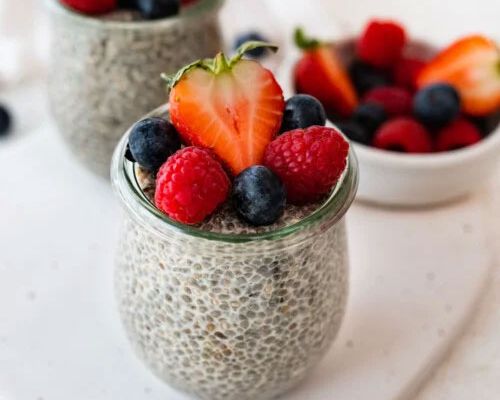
{"points": [[308, 161], [403, 134], [91, 6], [381, 44], [406, 72], [396, 101], [460, 133], [191, 185]]}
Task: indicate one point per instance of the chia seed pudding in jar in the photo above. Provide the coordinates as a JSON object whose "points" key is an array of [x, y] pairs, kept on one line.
{"points": [[105, 70], [224, 310]]}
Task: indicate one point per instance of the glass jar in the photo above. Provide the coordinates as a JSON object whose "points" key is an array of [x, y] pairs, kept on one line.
{"points": [[226, 316], [105, 74]]}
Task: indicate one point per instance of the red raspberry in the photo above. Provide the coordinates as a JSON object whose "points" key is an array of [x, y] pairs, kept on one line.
{"points": [[191, 185], [91, 6], [460, 133], [403, 134], [406, 72], [308, 161], [381, 44], [396, 101]]}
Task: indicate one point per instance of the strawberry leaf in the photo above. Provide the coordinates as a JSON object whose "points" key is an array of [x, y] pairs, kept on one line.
{"points": [[251, 45], [304, 42]]}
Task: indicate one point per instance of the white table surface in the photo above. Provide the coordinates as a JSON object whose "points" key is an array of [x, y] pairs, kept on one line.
{"points": [[471, 371]]}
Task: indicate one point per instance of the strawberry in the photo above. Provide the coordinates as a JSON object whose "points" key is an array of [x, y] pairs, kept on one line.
{"points": [[232, 106], [472, 66], [91, 7], [320, 73]]}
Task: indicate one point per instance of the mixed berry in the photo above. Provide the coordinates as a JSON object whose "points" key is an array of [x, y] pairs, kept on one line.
{"points": [[387, 99], [148, 9], [232, 139]]}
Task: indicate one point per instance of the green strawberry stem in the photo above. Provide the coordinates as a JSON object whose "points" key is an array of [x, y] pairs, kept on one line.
{"points": [[304, 42], [219, 64]]}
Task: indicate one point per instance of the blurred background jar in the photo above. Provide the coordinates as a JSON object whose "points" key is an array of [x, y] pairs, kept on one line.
{"points": [[105, 71]]}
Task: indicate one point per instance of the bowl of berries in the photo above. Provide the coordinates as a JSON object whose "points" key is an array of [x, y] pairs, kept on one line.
{"points": [[423, 121]]}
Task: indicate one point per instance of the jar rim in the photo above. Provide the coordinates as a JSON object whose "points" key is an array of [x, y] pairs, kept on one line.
{"points": [[196, 10], [127, 188]]}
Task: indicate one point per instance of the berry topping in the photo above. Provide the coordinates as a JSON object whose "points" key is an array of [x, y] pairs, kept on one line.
{"points": [[406, 72], [127, 4], [152, 141], [191, 185], [233, 107], [257, 52], [320, 73], [259, 196], [5, 121], [396, 101], [403, 134], [365, 77], [487, 124], [92, 7], [381, 44], [302, 111], [471, 65], [370, 116], [460, 133], [355, 132], [157, 9], [308, 161], [436, 105]]}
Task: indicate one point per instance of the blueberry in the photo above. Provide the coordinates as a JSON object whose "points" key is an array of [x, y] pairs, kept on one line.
{"points": [[5, 121], [436, 105], [365, 77], [152, 141], [127, 4], [355, 132], [370, 116], [251, 36], [259, 196], [157, 9], [487, 124], [302, 111]]}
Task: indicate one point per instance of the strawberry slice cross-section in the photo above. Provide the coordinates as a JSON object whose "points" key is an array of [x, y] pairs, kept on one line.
{"points": [[232, 106]]}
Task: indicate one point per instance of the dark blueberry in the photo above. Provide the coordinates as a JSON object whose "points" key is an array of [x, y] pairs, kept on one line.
{"points": [[157, 9], [128, 154], [487, 124], [251, 36], [259, 196], [127, 4], [5, 121], [370, 116], [152, 141], [302, 111], [436, 105], [355, 132], [365, 77]]}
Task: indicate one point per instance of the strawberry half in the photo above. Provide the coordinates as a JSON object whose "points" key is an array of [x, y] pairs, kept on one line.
{"points": [[320, 73], [472, 66], [232, 106]]}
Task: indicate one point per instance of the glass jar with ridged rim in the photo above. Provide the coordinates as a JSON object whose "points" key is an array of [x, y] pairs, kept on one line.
{"points": [[230, 316], [105, 71]]}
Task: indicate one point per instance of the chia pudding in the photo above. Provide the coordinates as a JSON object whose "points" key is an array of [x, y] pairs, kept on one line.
{"points": [[105, 71], [223, 310]]}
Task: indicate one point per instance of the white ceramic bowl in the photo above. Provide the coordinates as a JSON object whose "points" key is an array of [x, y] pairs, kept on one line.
{"points": [[396, 179]]}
